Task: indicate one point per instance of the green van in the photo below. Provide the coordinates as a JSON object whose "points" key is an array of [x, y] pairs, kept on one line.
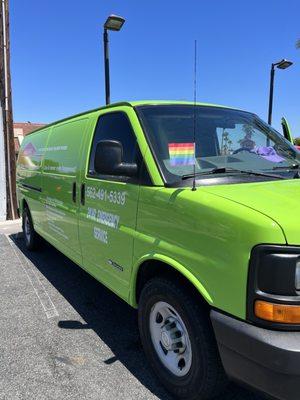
{"points": [[188, 212]]}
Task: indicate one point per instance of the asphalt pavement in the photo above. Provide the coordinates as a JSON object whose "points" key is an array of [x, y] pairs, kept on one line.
{"points": [[65, 336]]}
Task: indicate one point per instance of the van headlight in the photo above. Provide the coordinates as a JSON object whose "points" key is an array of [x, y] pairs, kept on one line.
{"points": [[274, 286]]}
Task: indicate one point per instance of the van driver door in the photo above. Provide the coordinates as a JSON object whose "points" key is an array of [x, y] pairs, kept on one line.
{"points": [[109, 208]]}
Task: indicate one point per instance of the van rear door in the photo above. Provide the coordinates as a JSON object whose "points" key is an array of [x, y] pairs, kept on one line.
{"points": [[29, 173]]}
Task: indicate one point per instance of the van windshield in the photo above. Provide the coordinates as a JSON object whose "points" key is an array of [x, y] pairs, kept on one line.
{"points": [[213, 139]]}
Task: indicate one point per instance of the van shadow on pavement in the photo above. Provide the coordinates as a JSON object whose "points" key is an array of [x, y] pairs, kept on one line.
{"points": [[109, 317]]}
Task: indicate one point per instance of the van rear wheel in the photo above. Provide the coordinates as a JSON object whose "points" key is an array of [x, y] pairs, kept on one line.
{"points": [[179, 343], [30, 235]]}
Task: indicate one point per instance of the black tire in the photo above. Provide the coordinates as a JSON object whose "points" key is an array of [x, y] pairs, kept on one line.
{"points": [[32, 239], [206, 377]]}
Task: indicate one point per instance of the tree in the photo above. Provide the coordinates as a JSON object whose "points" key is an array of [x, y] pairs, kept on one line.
{"points": [[246, 141], [249, 130], [297, 141], [225, 143]]}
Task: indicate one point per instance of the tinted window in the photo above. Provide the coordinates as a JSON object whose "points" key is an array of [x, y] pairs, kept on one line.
{"points": [[115, 126]]}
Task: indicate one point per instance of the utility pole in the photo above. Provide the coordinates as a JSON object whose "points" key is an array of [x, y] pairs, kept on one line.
{"points": [[6, 107], [2, 170], [2, 144]]}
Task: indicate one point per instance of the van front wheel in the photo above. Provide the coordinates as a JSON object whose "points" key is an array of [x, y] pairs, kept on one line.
{"points": [[179, 343], [30, 235]]}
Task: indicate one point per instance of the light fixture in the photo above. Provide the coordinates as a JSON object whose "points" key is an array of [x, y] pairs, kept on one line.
{"points": [[114, 23], [283, 64]]}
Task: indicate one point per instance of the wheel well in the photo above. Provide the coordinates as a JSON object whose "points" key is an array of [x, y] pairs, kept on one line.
{"points": [[24, 204], [154, 268]]}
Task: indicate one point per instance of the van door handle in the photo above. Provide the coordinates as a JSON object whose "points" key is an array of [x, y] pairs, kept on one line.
{"points": [[82, 192], [74, 192]]}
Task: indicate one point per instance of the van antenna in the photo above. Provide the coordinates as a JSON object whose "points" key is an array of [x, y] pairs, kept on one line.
{"points": [[195, 99]]}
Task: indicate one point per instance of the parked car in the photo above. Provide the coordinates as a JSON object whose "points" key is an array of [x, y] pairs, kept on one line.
{"points": [[288, 134], [187, 213]]}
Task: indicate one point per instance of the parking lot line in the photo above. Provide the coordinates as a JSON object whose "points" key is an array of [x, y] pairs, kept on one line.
{"points": [[38, 287]]}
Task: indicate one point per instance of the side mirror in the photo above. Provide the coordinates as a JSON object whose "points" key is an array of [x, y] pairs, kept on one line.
{"points": [[109, 160]]}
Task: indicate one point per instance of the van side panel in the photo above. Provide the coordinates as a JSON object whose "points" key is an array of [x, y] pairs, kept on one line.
{"points": [[209, 237], [29, 173], [61, 185]]}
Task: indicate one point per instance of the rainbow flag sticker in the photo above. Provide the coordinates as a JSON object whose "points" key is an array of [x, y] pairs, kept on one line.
{"points": [[182, 154]]}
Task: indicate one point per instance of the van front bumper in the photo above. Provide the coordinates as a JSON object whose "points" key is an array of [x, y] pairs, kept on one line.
{"points": [[266, 360]]}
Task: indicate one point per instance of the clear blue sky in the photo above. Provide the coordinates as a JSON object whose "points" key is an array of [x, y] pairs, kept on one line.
{"points": [[57, 54]]}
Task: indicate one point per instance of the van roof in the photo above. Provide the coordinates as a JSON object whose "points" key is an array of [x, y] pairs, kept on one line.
{"points": [[132, 104]]}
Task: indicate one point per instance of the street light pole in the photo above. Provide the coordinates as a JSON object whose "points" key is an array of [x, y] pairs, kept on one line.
{"points": [[106, 66], [271, 94], [283, 64], [113, 23]]}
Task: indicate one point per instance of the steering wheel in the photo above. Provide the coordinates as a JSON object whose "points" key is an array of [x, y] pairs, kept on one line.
{"points": [[241, 149]]}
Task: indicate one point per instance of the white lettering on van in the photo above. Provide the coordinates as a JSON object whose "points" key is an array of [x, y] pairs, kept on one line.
{"points": [[53, 212], [111, 196], [57, 230], [61, 169], [51, 201], [92, 213], [103, 217], [53, 148], [108, 219], [101, 235]]}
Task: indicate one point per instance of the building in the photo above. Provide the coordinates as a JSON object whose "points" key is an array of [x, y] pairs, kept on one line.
{"points": [[22, 129]]}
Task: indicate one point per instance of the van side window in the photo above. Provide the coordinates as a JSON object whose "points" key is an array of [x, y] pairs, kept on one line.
{"points": [[116, 126]]}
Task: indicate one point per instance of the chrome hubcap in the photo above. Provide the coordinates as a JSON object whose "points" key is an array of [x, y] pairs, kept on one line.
{"points": [[170, 338]]}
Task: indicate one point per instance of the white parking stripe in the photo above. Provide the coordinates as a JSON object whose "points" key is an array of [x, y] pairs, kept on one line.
{"points": [[36, 283]]}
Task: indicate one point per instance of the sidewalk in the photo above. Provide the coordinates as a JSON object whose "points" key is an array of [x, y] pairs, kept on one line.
{"points": [[10, 227]]}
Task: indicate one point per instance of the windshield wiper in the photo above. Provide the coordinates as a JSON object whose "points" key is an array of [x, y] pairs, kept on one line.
{"points": [[224, 170]]}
